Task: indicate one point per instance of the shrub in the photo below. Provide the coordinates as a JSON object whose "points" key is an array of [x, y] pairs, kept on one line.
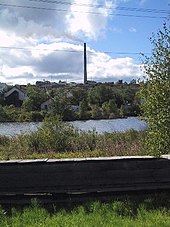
{"points": [[54, 135], [156, 94]]}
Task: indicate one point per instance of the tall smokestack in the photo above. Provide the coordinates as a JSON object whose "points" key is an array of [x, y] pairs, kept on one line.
{"points": [[85, 64]]}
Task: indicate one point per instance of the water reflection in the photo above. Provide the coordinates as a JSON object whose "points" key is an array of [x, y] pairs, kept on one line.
{"points": [[111, 125], [101, 126], [14, 128]]}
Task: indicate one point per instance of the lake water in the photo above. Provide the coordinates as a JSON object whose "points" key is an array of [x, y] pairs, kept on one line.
{"points": [[101, 126]]}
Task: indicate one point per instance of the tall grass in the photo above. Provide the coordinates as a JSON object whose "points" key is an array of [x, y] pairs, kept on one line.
{"points": [[115, 213], [56, 139]]}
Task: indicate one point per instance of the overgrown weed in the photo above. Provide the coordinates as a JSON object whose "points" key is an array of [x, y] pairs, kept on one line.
{"points": [[56, 139]]}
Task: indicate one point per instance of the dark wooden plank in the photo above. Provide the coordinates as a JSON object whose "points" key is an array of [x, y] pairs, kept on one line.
{"points": [[84, 175], [73, 181], [96, 166], [78, 175]]}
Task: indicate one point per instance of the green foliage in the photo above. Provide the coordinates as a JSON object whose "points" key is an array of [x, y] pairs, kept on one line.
{"points": [[122, 111], [155, 93], [79, 95], [35, 97], [57, 139], [129, 95], [83, 142], [119, 98], [3, 115], [61, 105], [83, 106], [4, 140], [126, 212], [54, 135], [9, 113], [13, 114], [101, 101], [110, 109], [100, 94], [96, 112]]}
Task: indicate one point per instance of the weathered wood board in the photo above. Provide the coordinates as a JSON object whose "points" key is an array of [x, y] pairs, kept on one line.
{"points": [[84, 175]]}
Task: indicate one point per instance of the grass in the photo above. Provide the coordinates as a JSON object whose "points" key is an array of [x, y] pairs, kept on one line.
{"points": [[152, 211]]}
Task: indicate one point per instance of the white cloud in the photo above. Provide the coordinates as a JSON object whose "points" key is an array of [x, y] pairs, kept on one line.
{"points": [[42, 33], [90, 21], [46, 61], [103, 67], [27, 22], [132, 29], [87, 17]]}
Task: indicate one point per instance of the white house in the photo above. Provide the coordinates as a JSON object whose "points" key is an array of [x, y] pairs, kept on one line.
{"points": [[46, 106], [75, 108]]}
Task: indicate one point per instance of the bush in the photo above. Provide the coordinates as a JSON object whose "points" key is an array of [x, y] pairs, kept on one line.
{"points": [[156, 94], [83, 141], [54, 135], [4, 140]]}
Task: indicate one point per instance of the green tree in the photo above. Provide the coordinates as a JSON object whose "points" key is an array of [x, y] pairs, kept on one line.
{"points": [[3, 115], [122, 111], [61, 106], [119, 99], [35, 97], [119, 82], [100, 94], [109, 109], [96, 112], [59, 103], [79, 94], [83, 109], [155, 93], [54, 135], [129, 94], [133, 81]]}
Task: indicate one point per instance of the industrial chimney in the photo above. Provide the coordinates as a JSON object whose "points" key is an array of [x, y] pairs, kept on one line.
{"points": [[85, 64]]}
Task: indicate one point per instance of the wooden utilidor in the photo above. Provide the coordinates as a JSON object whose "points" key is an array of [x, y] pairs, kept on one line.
{"points": [[116, 174]]}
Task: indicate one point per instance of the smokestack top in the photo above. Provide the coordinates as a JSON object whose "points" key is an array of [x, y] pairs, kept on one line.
{"points": [[85, 64]]}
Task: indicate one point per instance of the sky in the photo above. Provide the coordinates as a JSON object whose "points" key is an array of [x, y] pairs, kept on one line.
{"points": [[44, 39]]}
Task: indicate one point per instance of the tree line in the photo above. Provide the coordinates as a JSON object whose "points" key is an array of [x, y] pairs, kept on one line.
{"points": [[102, 101]]}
